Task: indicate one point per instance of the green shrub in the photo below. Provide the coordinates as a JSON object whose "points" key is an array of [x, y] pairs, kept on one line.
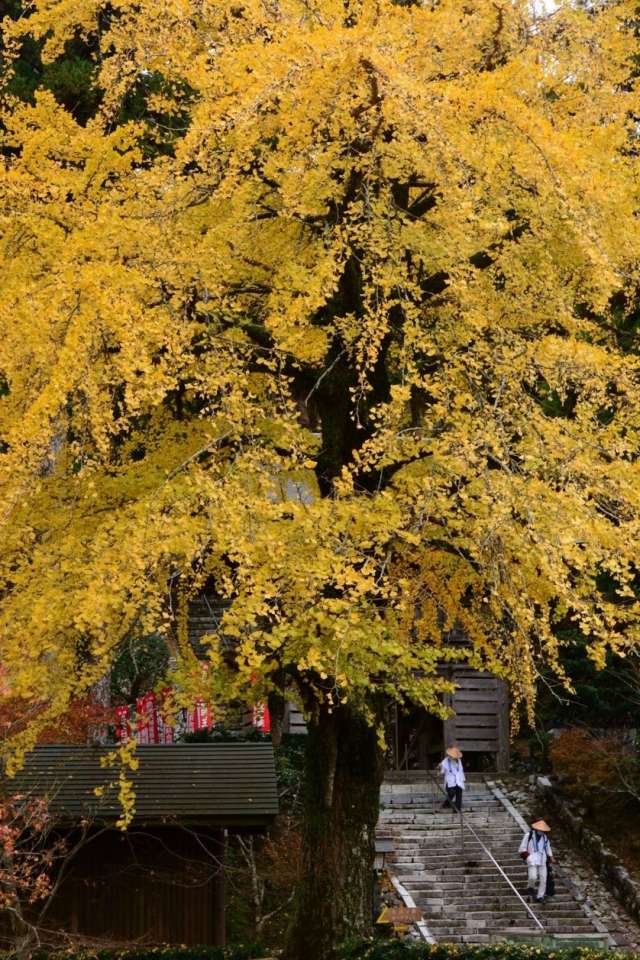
{"points": [[153, 953], [402, 950]]}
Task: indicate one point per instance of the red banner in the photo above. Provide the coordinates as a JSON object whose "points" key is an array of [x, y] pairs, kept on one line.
{"points": [[200, 717], [262, 718], [155, 722], [123, 727]]}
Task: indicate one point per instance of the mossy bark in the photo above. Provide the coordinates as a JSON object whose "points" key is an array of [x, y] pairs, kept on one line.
{"points": [[342, 787]]}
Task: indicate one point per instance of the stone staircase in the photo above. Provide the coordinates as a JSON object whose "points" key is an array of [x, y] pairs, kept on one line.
{"points": [[463, 897]]}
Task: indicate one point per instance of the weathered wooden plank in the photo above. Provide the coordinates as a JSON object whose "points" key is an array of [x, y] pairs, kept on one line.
{"points": [[476, 683], [471, 707], [490, 746], [488, 696], [477, 731], [464, 671], [477, 707], [483, 720]]}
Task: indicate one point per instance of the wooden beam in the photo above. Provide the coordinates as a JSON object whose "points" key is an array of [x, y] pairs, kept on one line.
{"points": [[502, 759]]}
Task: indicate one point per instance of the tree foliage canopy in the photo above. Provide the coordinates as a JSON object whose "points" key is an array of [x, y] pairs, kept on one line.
{"points": [[341, 322]]}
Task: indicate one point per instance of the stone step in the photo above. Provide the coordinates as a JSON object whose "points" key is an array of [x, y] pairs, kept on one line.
{"points": [[431, 899], [396, 819], [462, 894], [462, 934], [433, 796], [560, 923], [468, 865], [468, 860], [476, 819], [456, 850], [474, 872], [457, 901], [502, 831], [468, 857], [471, 861], [437, 810], [506, 918], [438, 807], [544, 914], [444, 818], [447, 821], [452, 845], [437, 802], [450, 826], [450, 875], [409, 776], [476, 937], [457, 856], [493, 922], [424, 789], [488, 887], [467, 893]]}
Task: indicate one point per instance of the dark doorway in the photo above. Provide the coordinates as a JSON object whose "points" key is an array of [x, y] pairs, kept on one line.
{"points": [[416, 739]]}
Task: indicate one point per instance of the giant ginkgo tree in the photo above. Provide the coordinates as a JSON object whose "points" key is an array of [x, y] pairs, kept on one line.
{"points": [[340, 323]]}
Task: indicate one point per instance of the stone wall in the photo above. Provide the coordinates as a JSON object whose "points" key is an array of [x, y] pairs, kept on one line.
{"points": [[608, 866]]}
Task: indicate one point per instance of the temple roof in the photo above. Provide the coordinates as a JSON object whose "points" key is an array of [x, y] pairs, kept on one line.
{"points": [[221, 784]]}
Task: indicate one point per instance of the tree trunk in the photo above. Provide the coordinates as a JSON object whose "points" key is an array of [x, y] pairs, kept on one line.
{"points": [[334, 901], [98, 733], [277, 706]]}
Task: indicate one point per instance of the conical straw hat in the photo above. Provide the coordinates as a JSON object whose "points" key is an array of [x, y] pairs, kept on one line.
{"points": [[454, 753], [541, 825]]}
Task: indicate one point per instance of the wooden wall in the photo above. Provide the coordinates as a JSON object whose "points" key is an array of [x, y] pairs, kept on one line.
{"points": [[155, 885], [294, 721], [481, 720]]}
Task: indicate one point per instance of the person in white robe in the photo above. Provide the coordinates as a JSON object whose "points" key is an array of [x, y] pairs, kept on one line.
{"points": [[536, 851], [453, 773]]}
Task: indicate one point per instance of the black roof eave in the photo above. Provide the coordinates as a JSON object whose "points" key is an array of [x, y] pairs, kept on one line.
{"points": [[261, 822]]}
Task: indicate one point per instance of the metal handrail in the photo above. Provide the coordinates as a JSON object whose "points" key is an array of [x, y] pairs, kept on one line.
{"points": [[463, 824]]}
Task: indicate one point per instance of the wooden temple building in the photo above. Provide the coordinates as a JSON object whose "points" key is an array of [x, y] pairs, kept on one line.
{"points": [[163, 879], [478, 725]]}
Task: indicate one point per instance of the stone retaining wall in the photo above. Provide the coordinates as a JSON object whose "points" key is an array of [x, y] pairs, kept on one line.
{"points": [[605, 862]]}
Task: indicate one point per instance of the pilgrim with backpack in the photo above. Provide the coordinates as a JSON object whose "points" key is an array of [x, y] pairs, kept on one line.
{"points": [[536, 851]]}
